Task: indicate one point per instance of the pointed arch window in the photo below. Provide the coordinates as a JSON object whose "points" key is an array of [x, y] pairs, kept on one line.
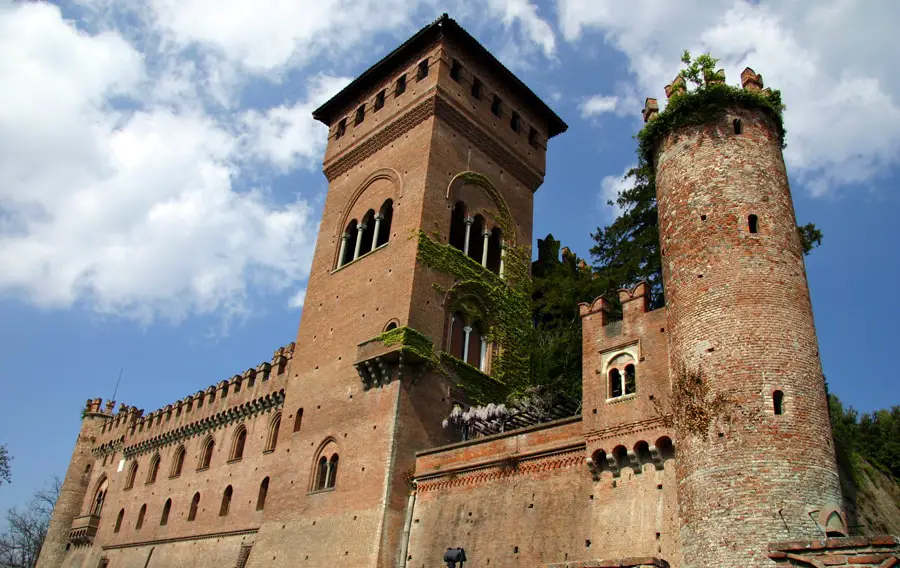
{"points": [[332, 472], [459, 227], [272, 439], [226, 501], [167, 508], [178, 462], [367, 234], [154, 469], [206, 454], [132, 473], [195, 505], [263, 493], [348, 243], [321, 473], [99, 497], [326, 466], [237, 446], [477, 240], [141, 514], [119, 520]]}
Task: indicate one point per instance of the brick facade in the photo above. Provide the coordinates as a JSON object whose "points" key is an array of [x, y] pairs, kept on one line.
{"points": [[333, 453]]}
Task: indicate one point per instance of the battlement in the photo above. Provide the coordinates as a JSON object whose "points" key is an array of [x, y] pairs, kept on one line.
{"points": [[750, 81], [131, 421], [635, 302]]}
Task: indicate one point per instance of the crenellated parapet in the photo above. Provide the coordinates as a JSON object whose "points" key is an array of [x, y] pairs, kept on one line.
{"points": [[255, 388]]}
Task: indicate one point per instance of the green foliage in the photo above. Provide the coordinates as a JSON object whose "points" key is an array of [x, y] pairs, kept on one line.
{"points": [[410, 340], [873, 436], [810, 237], [5, 470], [481, 388], [701, 71]]}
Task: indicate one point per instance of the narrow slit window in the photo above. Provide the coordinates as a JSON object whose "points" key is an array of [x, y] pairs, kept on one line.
{"points": [[119, 519], [263, 493], [379, 100], [533, 137], [401, 85], [496, 106], [341, 128], [778, 402], [195, 504], [456, 70], [360, 115], [298, 420], [738, 126], [164, 518], [226, 501], [515, 122], [753, 223], [476, 88], [422, 71]]}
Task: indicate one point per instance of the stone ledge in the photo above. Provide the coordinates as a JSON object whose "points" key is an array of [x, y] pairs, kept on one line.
{"points": [[834, 543], [635, 562]]}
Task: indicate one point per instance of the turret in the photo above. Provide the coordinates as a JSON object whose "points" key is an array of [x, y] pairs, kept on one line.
{"points": [[756, 457], [72, 493]]}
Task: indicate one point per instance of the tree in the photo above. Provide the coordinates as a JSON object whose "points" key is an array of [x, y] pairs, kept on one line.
{"points": [[5, 473], [21, 540], [627, 251]]}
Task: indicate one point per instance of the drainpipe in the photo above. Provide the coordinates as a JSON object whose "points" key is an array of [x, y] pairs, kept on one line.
{"points": [[407, 526]]}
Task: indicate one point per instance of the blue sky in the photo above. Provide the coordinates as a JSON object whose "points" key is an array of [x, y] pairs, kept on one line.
{"points": [[160, 180]]}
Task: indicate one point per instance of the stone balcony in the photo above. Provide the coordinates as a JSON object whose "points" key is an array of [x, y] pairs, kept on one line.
{"points": [[84, 529], [391, 356]]}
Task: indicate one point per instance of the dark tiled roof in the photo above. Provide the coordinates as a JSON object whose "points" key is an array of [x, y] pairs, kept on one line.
{"points": [[443, 26]]}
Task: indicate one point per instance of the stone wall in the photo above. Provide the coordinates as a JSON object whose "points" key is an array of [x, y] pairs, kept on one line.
{"points": [[857, 551]]}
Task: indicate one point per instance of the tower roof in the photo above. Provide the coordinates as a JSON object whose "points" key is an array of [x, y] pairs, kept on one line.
{"points": [[442, 27]]}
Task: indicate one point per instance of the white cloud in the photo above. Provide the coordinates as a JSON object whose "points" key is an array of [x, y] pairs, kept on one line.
{"points": [[536, 29], [296, 301], [610, 187], [132, 212], [833, 62], [597, 105]]}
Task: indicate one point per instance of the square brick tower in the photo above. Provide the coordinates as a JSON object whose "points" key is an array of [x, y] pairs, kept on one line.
{"points": [[436, 133]]}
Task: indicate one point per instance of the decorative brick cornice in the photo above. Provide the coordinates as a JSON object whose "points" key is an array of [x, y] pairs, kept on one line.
{"points": [[623, 429], [487, 143], [381, 138], [503, 468], [229, 416], [434, 104], [182, 539]]}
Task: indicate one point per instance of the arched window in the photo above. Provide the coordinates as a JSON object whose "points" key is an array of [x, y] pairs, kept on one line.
{"points": [[99, 496], [458, 226], [368, 234], [778, 402], [332, 472], [495, 243], [195, 504], [457, 335], [206, 454], [272, 439], [237, 446], [476, 239], [390, 326], [141, 514], [132, 473], [298, 420], [615, 383], [474, 353], [348, 243], [164, 518], [665, 447], [178, 462], [226, 501], [119, 519], [263, 492], [384, 227], [154, 469], [753, 223], [630, 380], [321, 473]]}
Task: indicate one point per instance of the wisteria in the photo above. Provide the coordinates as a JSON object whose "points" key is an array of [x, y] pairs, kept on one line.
{"points": [[533, 408]]}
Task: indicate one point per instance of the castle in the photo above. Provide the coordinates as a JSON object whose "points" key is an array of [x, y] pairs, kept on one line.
{"points": [[703, 438]]}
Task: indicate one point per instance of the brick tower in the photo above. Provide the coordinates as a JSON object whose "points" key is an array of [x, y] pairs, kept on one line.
{"points": [[758, 465], [437, 129]]}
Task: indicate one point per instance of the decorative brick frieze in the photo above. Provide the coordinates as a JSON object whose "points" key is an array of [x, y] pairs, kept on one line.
{"points": [[857, 551]]}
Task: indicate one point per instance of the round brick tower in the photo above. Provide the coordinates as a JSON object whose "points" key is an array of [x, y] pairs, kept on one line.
{"points": [[756, 459]]}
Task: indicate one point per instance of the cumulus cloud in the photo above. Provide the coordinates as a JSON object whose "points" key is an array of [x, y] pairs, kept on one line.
{"points": [[598, 104], [833, 62], [610, 187]]}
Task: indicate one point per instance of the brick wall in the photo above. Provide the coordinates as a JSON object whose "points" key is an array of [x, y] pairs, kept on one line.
{"points": [[739, 310]]}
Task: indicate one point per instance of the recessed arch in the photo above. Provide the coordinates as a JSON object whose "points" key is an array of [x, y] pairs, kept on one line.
{"points": [[119, 519], [154, 469], [263, 493], [177, 462], [239, 440], [225, 507], [483, 182], [132, 474], [386, 211], [99, 498], [321, 465], [195, 504], [272, 436], [368, 234], [389, 174], [206, 454]]}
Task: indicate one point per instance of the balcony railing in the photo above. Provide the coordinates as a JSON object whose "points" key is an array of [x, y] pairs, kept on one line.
{"points": [[84, 529]]}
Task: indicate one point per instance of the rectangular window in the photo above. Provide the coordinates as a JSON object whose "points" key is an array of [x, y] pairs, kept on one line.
{"points": [[456, 70], [495, 106], [360, 115], [423, 70], [379, 100], [476, 88], [341, 128], [401, 85], [533, 137], [515, 122]]}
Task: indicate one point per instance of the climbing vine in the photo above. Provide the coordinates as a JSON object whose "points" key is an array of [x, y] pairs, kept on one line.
{"points": [[410, 341]]}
